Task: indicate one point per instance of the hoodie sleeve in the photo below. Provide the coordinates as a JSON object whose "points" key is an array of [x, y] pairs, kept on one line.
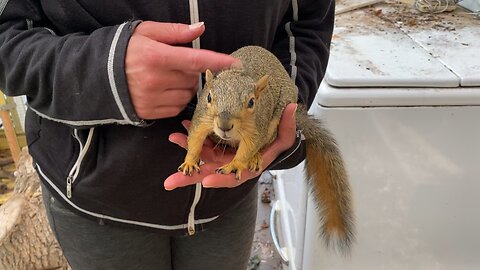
{"points": [[77, 78], [302, 44]]}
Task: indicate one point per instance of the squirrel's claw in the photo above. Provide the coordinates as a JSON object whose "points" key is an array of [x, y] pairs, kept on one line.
{"points": [[229, 168], [255, 164], [188, 168]]}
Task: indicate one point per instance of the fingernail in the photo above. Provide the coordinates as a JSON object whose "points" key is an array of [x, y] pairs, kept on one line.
{"points": [[207, 186], [168, 188], [294, 111], [195, 25]]}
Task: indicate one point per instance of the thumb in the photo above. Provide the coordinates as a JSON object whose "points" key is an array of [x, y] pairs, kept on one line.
{"points": [[288, 120], [170, 33], [287, 127]]}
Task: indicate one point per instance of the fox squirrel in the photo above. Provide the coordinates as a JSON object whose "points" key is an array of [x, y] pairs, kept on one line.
{"points": [[242, 108]]}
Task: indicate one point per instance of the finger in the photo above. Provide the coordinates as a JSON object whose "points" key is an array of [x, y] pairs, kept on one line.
{"points": [[170, 33], [179, 139], [186, 124], [197, 60], [160, 112], [288, 120], [287, 127], [227, 180], [177, 179], [220, 181], [174, 97], [168, 98], [159, 78], [179, 79], [169, 103], [286, 135]]}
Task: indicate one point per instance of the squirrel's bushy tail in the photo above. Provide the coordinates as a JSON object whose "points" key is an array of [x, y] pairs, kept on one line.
{"points": [[326, 174]]}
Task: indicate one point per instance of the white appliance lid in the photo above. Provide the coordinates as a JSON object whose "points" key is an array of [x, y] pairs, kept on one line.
{"points": [[361, 97], [455, 41], [371, 51]]}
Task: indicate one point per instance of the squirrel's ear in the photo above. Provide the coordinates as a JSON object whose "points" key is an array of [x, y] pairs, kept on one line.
{"points": [[208, 76], [261, 85]]}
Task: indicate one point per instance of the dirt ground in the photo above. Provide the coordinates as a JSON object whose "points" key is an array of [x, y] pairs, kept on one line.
{"points": [[264, 256], [7, 168]]}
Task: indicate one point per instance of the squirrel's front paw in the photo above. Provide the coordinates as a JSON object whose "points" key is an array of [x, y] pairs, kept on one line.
{"points": [[187, 168], [255, 164], [230, 168]]}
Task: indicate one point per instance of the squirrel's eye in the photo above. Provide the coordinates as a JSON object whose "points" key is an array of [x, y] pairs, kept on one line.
{"points": [[251, 102], [209, 98]]}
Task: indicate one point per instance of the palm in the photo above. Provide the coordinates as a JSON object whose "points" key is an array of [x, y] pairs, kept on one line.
{"points": [[214, 156]]}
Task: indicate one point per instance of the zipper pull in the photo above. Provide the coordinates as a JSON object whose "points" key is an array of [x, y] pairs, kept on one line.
{"points": [[191, 230], [300, 134], [69, 186]]}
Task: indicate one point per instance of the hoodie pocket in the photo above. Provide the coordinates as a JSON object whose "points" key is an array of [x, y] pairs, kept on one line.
{"points": [[32, 127], [75, 170]]}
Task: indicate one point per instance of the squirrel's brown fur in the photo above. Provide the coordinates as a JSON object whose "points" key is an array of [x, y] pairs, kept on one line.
{"points": [[243, 107]]}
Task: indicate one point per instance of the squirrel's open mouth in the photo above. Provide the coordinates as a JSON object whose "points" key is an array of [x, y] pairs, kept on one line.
{"points": [[225, 137]]}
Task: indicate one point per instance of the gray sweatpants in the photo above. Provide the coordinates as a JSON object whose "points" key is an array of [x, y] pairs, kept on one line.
{"points": [[89, 245]]}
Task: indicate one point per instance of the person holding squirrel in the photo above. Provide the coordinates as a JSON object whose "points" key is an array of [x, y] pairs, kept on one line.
{"points": [[110, 87]]}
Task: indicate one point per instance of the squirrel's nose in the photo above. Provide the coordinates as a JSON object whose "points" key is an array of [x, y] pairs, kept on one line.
{"points": [[224, 122], [225, 126]]}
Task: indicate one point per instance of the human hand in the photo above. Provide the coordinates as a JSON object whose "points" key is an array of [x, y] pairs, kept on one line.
{"points": [[215, 157], [163, 78]]}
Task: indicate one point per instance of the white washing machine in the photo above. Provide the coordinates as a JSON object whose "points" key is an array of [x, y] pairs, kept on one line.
{"points": [[403, 102]]}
